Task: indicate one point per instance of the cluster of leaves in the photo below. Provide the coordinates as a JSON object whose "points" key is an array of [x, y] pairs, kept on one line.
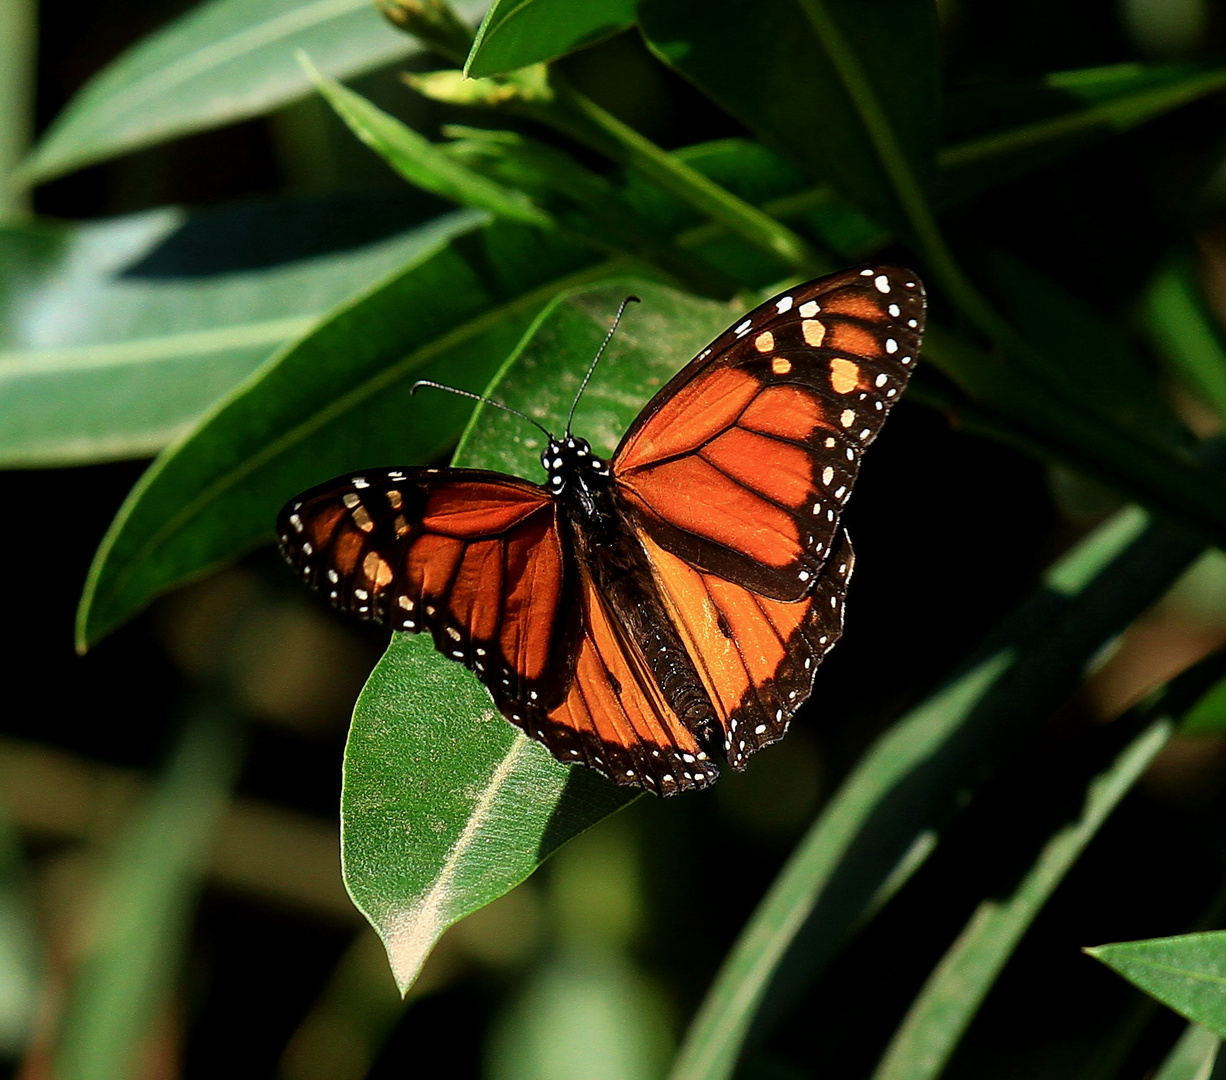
{"points": [[250, 394]]}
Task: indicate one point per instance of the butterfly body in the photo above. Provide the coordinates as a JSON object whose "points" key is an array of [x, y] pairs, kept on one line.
{"points": [[646, 613]]}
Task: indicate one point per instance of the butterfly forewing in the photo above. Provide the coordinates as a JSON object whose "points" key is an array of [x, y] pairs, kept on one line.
{"points": [[742, 464], [474, 557]]}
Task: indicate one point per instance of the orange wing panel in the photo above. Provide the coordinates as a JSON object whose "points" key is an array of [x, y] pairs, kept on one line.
{"points": [[474, 557], [814, 372], [756, 657], [614, 717]]}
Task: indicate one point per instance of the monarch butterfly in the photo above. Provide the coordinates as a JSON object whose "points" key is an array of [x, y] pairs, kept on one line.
{"points": [[645, 614]]}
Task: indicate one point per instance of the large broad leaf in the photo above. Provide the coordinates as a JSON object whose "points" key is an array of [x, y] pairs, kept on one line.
{"points": [[223, 61], [516, 33], [336, 400], [846, 90], [446, 805], [115, 336], [1188, 973]]}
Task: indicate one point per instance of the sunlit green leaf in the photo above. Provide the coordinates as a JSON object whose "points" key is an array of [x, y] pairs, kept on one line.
{"points": [[223, 61], [115, 336], [1188, 973]]}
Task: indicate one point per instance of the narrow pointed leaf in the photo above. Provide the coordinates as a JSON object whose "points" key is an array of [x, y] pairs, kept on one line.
{"points": [[877, 828], [1187, 973], [957, 986], [223, 61], [421, 162]]}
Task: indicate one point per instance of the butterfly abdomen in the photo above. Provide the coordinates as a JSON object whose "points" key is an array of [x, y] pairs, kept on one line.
{"points": [[618, 565]]}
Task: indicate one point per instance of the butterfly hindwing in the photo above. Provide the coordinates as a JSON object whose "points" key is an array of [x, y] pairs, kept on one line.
{"points": [[615, 718], [742, 463], [757, 657], [474, 557]]}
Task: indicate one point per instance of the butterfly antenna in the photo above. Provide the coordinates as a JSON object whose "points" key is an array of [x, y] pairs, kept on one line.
{"points": [[477, 397], [596, 360]]}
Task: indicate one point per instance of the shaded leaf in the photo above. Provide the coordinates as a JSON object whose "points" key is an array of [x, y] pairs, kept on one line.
{"points": [[516, 33], [996, 133], [1185, 333], [885, 818], [847, 91], [146, 899], [419, 161], [951, 996]]}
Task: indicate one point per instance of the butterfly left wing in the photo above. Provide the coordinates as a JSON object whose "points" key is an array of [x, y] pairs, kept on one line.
{"points": [[474, 557], [742, 463], [615, 718]]}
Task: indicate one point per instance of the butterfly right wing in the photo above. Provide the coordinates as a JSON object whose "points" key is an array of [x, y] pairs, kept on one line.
{"points": [[474, 557]]}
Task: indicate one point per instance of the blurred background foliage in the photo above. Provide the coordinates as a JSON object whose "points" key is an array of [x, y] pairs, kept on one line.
{"points": [[1015, 753]]}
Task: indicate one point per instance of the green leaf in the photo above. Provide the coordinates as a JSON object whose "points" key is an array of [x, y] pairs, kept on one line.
{"points": [[996, 133], [111, 344], [430, 832], [147, 895], [21, 950], [1184, 332], [1081, 354], [430, 768], [335, 400], [221, 62], [961, 980], [846, 90], [419, 161], [1192, 1057], [588, 1013], [886, 817], [1188, 973], [516, 33]]}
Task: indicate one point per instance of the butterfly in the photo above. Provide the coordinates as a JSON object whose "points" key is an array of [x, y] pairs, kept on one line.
{"points": [[648, 614]]}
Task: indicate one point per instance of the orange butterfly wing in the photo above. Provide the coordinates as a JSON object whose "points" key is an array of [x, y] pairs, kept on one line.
{"points": [[615, 718], [474, 557], [742, 463]]}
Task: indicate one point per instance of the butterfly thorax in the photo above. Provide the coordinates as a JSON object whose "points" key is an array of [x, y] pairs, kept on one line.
{"points": [[577, 477]]}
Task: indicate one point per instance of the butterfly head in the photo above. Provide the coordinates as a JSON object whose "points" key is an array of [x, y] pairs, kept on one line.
{"points": [[573, 469]]}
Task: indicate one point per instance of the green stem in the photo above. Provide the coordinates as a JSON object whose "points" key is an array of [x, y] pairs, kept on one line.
{"points": [[18, 45], [924, 228], [578, 116]]}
